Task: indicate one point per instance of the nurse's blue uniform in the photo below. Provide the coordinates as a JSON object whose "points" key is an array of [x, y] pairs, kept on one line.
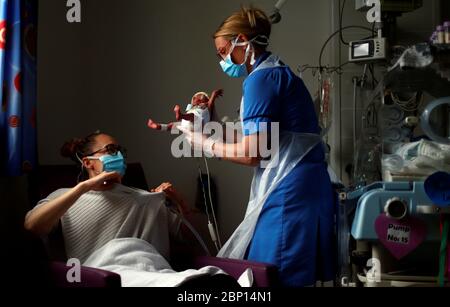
{"points": [[295, 229]]}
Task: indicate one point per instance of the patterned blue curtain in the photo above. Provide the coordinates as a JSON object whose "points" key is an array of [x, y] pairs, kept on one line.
{"points": [[18, 48]]}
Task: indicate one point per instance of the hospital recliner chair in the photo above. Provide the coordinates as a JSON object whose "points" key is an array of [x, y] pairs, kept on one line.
{"points": [[52, 178]]}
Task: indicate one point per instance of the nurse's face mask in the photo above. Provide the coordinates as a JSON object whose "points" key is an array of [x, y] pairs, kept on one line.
{"points": [[237, 70], [113, 160]]}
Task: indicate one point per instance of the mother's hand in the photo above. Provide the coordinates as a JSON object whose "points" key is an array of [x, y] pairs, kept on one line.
{"points": [[173, 195], [103, 182]]}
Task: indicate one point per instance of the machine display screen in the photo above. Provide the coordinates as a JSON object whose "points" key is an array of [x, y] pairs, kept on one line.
{"points": [[361, 50]]}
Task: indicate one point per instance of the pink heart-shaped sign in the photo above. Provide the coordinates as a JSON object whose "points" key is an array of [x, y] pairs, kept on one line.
{"points": [[400, 237]]}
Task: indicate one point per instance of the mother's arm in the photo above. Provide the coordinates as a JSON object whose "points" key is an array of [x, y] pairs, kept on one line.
{"points": [[43, 219]]}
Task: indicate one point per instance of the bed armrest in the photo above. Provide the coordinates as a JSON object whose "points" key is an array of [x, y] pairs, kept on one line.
{"points": [[90, 278], [265, 275]]}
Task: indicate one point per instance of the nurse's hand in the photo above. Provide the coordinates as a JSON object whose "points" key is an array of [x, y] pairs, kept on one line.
{"points": [[199, 141]]}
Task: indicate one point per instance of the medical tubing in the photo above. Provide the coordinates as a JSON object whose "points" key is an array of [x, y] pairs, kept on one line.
{"points": [[177, 211], [195, 233], [204, 192], [213, 237], [211, 202], [178, 214], [212, 232], [178, 228]]}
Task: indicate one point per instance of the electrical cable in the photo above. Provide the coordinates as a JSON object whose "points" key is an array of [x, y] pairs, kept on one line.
{"points": [[341, 17], [364, 76], [372, 72], [338, 69], [333, 35], [335, 69]]}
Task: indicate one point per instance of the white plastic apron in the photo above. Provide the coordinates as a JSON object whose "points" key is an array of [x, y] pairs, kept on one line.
{"points": [[294, 147]]}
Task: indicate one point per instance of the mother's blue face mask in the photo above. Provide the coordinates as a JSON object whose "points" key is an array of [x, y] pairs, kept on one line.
{"points": [[112, 163]]}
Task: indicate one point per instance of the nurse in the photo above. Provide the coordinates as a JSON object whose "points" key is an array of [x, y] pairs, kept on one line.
{"points": [[290, 215]]}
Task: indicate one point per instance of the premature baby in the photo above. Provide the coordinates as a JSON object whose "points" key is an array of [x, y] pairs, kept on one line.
{"points": [[201, 108]]}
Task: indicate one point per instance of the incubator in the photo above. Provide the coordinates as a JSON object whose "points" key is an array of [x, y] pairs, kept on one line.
{"points": [[397, 224], [393, 231]]}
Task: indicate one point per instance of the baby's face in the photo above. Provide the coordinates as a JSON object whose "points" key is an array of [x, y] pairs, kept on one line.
{"points": [[199, 100]]}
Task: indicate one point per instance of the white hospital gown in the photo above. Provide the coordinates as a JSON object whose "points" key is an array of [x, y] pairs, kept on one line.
{"points": [[100, 217]]}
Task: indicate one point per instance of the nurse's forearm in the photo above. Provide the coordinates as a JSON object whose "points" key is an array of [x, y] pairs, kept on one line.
{"points": [[237, 153], [252, 162]]}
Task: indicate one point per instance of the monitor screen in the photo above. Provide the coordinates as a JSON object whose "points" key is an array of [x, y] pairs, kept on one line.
{"points": [[361, 50]]}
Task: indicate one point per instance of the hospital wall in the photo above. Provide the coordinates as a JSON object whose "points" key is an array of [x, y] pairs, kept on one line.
{"points": [[130, 60]]}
